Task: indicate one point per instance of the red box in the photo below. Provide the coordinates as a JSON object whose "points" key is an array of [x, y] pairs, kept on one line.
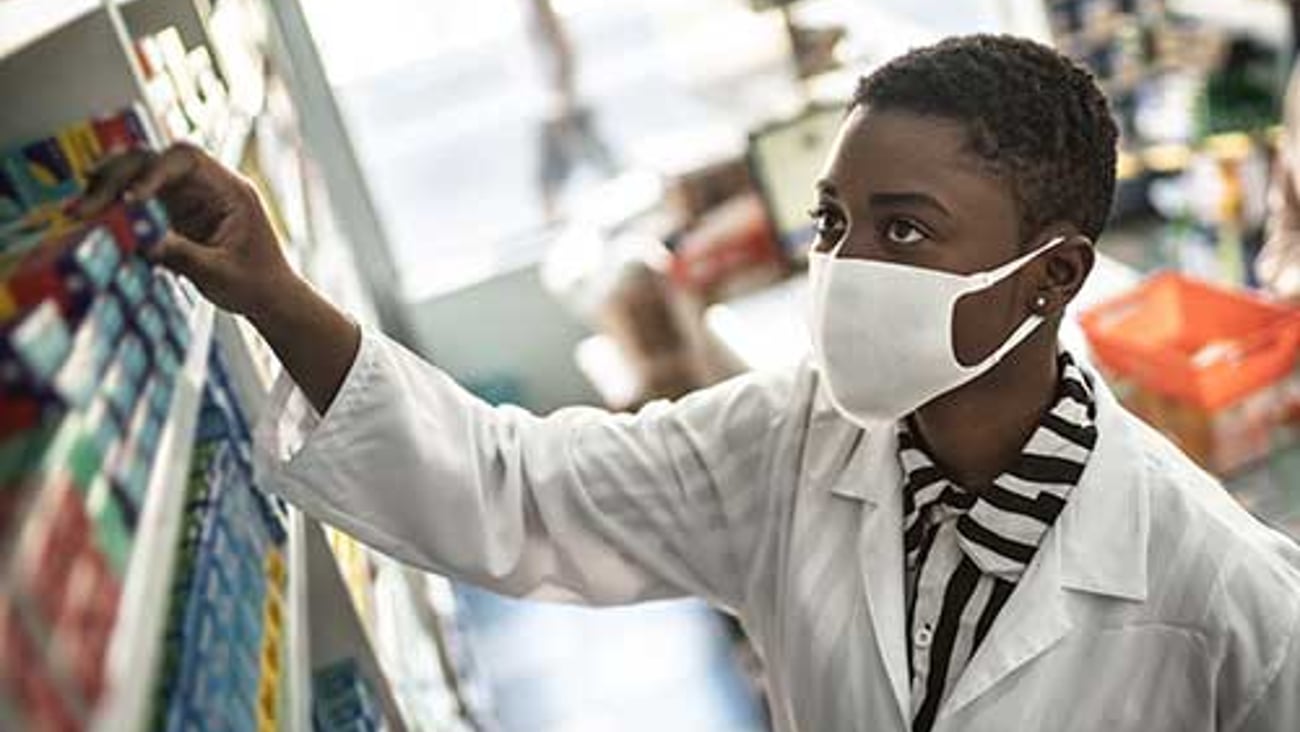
{"points": [[1202, 344]]}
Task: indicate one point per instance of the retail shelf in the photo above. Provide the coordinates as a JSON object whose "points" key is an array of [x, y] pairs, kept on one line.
{"points": [[23, 22], [336, 630], [297, 676], [134, 652]]}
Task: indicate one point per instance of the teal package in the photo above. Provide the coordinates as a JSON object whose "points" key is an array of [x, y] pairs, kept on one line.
{"points": [[41, 173]]}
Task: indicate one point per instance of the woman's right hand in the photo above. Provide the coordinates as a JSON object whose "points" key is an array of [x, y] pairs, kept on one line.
{"points": [[220, 237]]}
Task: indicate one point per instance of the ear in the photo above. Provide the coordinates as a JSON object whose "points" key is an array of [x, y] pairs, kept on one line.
{"points": [[1061, 271]]}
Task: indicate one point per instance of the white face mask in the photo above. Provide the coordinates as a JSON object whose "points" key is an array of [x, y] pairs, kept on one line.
{"points": [[882, 333]]}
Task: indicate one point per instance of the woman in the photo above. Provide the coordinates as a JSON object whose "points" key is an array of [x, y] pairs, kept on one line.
{"points": [[942, 523]]}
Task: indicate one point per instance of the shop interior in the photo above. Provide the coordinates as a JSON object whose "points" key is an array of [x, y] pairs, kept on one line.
{"points": [[558, 202]]}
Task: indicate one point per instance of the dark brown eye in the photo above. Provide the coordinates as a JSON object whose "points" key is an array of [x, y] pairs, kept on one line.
{"points": [[902, 231]]}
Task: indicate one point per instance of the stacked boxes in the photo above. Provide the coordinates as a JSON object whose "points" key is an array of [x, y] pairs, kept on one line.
{"points": [[38, 176], [91, 342], [225, 634]]}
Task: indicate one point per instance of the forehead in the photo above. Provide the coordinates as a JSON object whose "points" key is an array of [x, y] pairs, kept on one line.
{"points": [[897, 151]]}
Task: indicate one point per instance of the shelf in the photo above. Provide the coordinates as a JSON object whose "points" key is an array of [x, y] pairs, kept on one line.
{"points": [[297, 672], [134, 652], [23, 22]]}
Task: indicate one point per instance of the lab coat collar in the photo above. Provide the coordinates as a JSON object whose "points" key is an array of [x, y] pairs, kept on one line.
{"points": [[872, 475], [1097, 546], [1102, 533]]}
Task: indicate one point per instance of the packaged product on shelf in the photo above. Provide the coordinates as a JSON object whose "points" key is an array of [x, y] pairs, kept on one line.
{"points": [[41, 172], [342, 700], [83, 149], [93, 346], [114, 529], [120, 132], [137, 225], [224, 638], [124, 381], [33, 348], [69, 269], [11, 203]]}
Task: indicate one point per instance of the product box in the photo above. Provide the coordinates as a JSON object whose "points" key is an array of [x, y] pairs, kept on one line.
{"points": [[135, 226], [11, 202], [121, 132], [82, 149], [132, 282], [152, 326], [114, 535], [54, 537], [70, 269], [93, 346], [41, 172], [124, 380], [33, 348]]}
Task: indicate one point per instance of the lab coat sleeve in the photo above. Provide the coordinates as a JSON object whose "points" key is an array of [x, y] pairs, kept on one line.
{"points": [[582, 505]]}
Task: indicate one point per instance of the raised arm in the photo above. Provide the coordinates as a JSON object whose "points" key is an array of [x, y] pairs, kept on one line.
{"points": [[583, 505]]}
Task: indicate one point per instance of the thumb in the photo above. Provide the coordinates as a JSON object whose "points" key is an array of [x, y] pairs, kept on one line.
{"points": [[185, 257]]}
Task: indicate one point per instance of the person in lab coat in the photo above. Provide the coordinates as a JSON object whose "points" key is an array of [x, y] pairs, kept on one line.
{"points": [[941, 522]]}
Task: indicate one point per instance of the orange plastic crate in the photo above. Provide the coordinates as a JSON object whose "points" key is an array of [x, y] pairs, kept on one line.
{"points": [[1197, 342]]}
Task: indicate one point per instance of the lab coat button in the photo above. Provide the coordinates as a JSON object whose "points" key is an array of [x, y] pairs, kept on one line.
{"points": [[923, 637]]}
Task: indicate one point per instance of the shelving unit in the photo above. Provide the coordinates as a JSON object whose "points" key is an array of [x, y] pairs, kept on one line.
{"points": [[67, 60], [137, 638], [24, 22]]}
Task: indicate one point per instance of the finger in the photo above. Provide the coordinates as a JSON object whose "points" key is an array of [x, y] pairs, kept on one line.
{"points": [[177, 162], [185, 257], [109, 179]]}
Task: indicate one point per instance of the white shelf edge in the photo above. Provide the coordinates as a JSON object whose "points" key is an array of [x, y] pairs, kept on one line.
{"points": [[23, 22], [298, 654], [133, 656]]}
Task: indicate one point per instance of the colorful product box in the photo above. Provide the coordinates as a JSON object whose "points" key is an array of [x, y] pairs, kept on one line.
{"points": [[93, 346], [135, 226], [41, 172], [52, 546], [121, 132], [11, 202], [82, 149], [33, 349], [124, 381], [113, 533], [70, 270], [131, 283]]}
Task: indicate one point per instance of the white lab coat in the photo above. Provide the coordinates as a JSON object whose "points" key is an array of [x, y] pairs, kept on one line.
{"points": [[1155, 604]]}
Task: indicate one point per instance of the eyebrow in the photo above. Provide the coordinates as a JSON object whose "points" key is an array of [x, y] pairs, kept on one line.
{"points": [[909, 198]]}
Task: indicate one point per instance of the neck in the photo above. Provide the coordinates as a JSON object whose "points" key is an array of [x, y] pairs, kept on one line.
{"points": [[977, 431]]}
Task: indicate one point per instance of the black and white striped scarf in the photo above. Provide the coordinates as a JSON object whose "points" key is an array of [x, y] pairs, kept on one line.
{"points": [[998, 529]]}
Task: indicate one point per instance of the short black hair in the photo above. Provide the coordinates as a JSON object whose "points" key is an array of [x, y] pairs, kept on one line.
{"points": [[1034, 116]]}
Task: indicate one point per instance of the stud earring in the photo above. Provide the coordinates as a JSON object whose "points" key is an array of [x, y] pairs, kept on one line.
{"points": [[1040, 303]]}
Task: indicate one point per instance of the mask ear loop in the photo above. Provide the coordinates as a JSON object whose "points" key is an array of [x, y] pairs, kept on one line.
{"points": [[1027, 326], [989, 278]]}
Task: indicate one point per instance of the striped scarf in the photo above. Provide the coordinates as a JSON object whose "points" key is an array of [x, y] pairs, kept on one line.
{"points": [[985, 540]]}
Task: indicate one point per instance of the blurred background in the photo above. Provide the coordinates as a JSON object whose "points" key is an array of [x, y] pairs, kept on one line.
{"points": [[589, 202]]}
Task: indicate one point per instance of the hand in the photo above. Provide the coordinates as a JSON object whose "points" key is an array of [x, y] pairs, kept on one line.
{"points": [[220, 237]]}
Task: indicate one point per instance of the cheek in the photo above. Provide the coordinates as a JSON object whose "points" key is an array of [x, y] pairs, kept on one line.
{"points": [[983, 320]]}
